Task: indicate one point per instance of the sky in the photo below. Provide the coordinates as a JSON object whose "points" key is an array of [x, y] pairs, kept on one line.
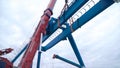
{"points": [[97, 41]]}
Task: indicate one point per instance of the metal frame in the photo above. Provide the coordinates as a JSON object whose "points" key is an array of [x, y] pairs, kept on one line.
{"points": [[95, 10]]}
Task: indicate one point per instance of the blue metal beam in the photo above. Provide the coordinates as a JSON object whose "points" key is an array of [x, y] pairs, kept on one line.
{"points": [[77, 4], [16, 57], [75, 49], [95, 10], [68, 61], [57, 39], [39, 57]]}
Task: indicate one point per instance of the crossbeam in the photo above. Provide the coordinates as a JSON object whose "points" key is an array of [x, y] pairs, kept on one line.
{"points": [[95, 10], [77, 4]]}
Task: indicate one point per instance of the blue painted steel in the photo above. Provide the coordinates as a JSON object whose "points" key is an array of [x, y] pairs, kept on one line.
{"points": [[68, 61], [75, 49], [20, 53], [95, 10], [51, 23], [38, 61], [77, 4], [57, 39], [98, 8]]}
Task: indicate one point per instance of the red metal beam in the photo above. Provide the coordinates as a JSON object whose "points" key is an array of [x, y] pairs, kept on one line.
{"points": [[27, 58], [5, 51], [5, 63]]}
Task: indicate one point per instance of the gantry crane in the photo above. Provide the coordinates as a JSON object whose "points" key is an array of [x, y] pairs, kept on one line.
{"points": [[47, 27]]}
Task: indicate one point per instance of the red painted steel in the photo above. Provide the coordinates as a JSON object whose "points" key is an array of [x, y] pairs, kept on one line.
{"points": [[5, 51], [27, 58], [7, 63]]}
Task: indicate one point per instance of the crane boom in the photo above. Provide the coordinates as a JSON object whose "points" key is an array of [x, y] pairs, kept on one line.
{"points": [[33, 45]]}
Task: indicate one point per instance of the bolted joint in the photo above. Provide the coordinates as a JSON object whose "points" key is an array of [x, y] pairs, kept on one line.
{"points": [[47, 15], [49, 10], [54, 56]]}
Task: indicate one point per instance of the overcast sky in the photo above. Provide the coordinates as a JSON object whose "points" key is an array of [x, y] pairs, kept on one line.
{"points": [[98, 40]]}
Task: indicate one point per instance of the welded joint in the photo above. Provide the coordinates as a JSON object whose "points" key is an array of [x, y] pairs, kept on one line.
{"points": [[42, 49]]}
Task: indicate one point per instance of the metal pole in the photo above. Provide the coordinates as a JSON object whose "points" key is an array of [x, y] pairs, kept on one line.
{"points": [[65, 60], [28, 56], [39, 58], [39, 51], [16, 57], [75, 49]]}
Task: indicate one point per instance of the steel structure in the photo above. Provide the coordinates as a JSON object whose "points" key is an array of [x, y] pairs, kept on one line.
{"points": [[4, 62], [34, 43], [47, 27]]}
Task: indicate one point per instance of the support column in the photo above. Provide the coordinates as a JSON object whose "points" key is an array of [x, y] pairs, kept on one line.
{"points": [[75, 49], [39, 58], [39, 51]]}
